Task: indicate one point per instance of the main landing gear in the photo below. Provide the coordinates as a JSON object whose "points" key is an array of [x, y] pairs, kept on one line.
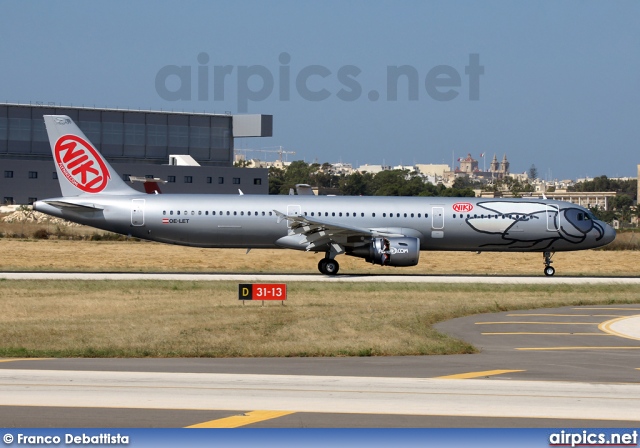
{"points": [[328, 266], [548, 269]]}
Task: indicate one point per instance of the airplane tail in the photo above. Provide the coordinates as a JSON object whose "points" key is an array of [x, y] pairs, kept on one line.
{"points": [[81, 168]]}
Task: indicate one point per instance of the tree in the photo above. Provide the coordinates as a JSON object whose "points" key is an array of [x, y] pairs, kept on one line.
{"points": [[356, 184], [298, 172], [603, 183], [276, 179], [241, 163]]}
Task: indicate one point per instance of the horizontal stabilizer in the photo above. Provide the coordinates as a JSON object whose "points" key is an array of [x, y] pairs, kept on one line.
{"points": [[72, 206]]}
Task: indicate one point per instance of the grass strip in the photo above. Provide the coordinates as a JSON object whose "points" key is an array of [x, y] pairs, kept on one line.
{"points": [[205, 319]]}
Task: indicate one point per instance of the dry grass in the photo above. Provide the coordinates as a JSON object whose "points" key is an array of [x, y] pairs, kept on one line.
{"points": [[180, 319], [128, 256], [206, 319]]}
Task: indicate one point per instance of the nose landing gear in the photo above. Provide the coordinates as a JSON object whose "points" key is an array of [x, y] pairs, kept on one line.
{"points": [[548, 269]]}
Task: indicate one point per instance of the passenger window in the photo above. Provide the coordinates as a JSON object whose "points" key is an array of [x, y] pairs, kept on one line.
{"points": [[164, 212], [373, 215], [454, 215], [199, 212], [241, 213], [419, 215], [171, 212], [178, 212], [384, 215]]}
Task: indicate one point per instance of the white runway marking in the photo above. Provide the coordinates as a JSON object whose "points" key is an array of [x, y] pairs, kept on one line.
{"points": [[326, 394], [322, 278]]}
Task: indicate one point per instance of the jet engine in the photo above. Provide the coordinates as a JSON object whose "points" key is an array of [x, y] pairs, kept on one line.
{"points": [[403, 251]]}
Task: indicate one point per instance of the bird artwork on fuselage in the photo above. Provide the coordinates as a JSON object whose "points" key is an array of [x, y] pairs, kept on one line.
{"points": [[519, 224]]}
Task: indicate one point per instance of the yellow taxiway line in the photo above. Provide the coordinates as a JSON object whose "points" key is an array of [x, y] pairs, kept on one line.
{"points": [[547, 334], [537, 323], [609, 308], [21, 359], [606, 327], [576, 348], [464, 376], [562, 315], [236, 421]]}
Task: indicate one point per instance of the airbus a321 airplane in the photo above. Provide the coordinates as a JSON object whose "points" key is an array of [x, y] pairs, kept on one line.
{"points": [[388, 231]]}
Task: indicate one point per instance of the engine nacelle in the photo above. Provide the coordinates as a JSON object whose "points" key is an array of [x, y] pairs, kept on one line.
{"points": [[404, 251]]}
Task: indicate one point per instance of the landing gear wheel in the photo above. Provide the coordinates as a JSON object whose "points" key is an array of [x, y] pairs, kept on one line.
{"points": [[548, 270], [328, 266]]}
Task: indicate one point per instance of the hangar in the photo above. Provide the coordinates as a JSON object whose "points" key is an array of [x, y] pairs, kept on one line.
{"points": [[192, 152]]}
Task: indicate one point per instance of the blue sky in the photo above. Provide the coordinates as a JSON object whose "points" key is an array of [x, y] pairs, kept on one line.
{"points": [[560, 86]]}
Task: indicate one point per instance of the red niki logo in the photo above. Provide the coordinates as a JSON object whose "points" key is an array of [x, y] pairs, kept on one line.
{"points": [[81, 164], [462, 207]]}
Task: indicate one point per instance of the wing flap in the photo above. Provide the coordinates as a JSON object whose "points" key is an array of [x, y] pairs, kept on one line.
{"points": [[317, 233]]}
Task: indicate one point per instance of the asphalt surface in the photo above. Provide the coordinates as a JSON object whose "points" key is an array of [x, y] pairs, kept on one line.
{"points": [[563, 367]]}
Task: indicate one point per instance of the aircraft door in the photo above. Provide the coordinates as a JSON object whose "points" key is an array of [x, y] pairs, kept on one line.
{"points": [[137, 212], [437, 218], [553, 218]]}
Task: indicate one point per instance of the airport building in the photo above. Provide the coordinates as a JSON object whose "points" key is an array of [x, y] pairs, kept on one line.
{"points": [[192, 152]]}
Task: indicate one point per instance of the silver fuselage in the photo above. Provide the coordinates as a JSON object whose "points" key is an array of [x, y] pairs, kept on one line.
{"points": [[250, 221]]}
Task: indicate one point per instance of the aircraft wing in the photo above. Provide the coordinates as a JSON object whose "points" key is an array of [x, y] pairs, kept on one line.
{"points": [[318, 232]]}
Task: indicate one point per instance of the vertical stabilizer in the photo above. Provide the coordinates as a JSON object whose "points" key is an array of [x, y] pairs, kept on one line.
{"points": [[81, 168]]}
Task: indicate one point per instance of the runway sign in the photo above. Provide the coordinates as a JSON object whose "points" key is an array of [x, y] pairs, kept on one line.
{"points": [[262, 291]]}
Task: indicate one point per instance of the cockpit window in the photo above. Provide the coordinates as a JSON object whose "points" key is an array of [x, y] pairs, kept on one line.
{"points": [[580, 216]]}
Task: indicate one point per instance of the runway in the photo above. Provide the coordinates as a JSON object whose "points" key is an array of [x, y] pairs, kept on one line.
{"points": [[523, 280], [321, 394], [569, 367]]}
